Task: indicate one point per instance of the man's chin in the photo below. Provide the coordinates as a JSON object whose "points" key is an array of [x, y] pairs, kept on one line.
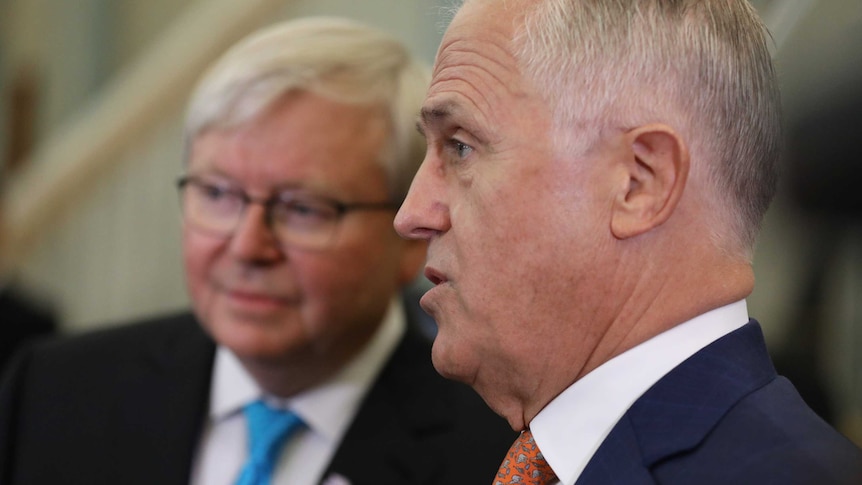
{"points": [[447, 364], [254, 338]]}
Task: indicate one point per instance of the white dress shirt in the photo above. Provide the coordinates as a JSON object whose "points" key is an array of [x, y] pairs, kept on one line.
{"points": [[570, 428], [327, 411]]}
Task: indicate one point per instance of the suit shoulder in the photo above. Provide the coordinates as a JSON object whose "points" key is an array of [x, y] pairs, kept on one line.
{"points": [[772, 435], [108, 351], [117, 340], [118, 392]]}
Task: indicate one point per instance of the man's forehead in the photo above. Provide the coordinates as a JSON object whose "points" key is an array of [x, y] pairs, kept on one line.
{"points": [[477, 30]]}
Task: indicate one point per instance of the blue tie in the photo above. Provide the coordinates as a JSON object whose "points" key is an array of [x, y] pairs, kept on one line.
{"points": [[268, 430]]}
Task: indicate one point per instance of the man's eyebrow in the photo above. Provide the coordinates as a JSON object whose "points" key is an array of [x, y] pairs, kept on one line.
{"points": [[433, 115]]}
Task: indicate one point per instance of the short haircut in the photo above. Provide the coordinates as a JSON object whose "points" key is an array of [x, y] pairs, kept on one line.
{"points": [[339, 59], [701, 66]]}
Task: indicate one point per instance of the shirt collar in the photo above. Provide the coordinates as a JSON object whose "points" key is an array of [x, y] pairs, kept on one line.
{"points": [[327, 408], [592, 406]]}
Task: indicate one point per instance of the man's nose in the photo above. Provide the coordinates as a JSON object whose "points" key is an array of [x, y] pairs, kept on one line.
{"points": [[424, 212], [254, 240]]}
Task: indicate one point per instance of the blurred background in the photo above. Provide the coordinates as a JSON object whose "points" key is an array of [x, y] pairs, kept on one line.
{"points": [[92, 94]]}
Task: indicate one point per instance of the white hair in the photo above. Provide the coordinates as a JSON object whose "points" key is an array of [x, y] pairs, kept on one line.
{"points": [[339, 59], [701, 66]]}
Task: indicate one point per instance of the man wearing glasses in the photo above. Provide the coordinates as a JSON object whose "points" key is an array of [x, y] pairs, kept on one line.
{"points": [[301, 147]]}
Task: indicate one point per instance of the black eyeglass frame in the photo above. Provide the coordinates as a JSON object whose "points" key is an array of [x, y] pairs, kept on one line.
{"points": [[341, 208]]}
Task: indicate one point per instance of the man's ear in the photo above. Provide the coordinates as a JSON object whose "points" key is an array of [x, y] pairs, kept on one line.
{"points": [[656, 166]]}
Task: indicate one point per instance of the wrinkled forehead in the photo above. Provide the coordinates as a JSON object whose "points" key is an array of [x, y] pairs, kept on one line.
{"points": [[482, 18], [485, 28], [476, 59]]}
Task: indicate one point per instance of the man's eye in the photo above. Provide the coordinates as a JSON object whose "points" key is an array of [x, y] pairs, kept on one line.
{"points": [[214, 192], [302, 210], [462, 150]]}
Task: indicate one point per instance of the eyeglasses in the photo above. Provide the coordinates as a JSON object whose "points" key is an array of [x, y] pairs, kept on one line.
{"points": [[296, 218]]}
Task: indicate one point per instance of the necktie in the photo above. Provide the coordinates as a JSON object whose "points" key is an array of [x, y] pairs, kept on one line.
{"points": [[268, 430], [524, 464]]}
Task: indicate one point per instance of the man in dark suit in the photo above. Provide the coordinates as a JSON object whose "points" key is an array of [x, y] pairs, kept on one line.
{"points": [[595, 178], [300, 149]]}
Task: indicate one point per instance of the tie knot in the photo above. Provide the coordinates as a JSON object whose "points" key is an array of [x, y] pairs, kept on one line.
{"points": [[268, 430], [525, 464]]}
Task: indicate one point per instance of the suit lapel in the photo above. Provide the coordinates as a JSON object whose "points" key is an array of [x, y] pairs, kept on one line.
{"points": [[167, 397], [682, 408], [384, 443]]}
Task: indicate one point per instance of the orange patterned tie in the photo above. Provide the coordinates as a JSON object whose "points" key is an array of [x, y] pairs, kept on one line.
{"points": [[524, 464]]}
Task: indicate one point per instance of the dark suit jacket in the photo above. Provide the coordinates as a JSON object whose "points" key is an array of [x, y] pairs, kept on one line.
{"points": [[127, 405], [724, 417]]}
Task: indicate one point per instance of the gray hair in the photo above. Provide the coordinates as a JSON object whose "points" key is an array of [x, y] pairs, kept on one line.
{"points": [[338, 59], [702, 66]]}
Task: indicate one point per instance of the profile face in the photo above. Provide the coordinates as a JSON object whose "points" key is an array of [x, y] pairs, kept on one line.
{"points": [[515, 227], [274, 302]]}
